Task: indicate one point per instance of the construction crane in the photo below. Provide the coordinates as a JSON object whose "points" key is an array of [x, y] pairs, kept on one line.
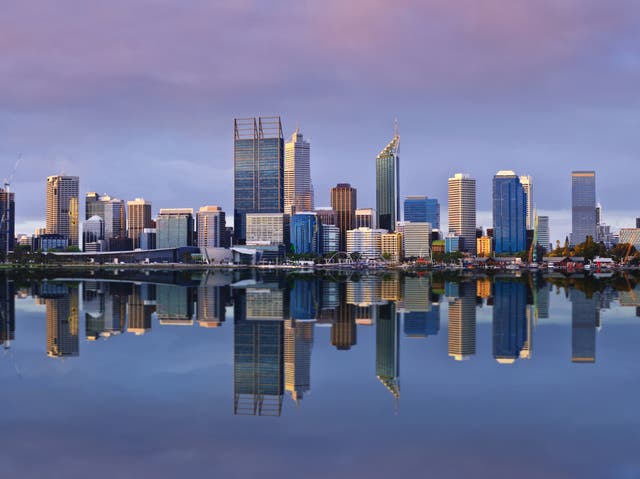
{"points": [[5, 221]]}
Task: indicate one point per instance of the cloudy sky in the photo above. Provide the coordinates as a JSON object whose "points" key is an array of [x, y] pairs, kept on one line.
{"points": [[137, 97]]}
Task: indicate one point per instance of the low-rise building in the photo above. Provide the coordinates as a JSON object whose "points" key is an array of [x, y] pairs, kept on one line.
{"points": [[365, 241], [391, 246]]}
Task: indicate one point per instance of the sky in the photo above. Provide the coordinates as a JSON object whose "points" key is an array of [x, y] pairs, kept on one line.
{"points": [[138, 97]]}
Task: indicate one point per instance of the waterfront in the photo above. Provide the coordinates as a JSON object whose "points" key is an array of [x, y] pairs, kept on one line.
{"points": [[141, 374]]}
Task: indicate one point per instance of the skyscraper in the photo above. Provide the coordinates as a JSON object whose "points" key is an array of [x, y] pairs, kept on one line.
{"points": [[462, 210], [509, 213], [527, 186], [583, 206], [62, 207], [7, 220], [258, 163], [462, 322], [388, 185], [174, 228], [543, 232], [305, 234], [111, 210], [388, 348], [211, 226], [366, 218], [344, 202], [139, 218], [298, 189], [420, 209]]}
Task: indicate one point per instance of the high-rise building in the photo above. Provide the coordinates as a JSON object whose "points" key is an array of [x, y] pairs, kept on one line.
{"points": [[462, 210], [298, 189], [211, 227], [139, 218], [258, 163], [637, 222], [462, 322], [330, 239], [388, 185], [327, 216], [388, 348], [266, 228], [111, 210], [298, 342], [527, 186], [174, 228], [62, 207], [7, 221], [306, 234], [93, 234], [421, 209], [583, 206], [416, 239], [543, 232], [344, 202], [391, 246], [365, 241], [509, 213], [509, 320], [366, 218]]}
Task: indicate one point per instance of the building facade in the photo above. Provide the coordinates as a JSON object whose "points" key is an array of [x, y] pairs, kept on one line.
{"points": [[139, 218], [388, 185], [484, 246], [258, 155], [305, 234], [366, 218], [365, 241], [416, 239], [391, 246], [7, 221], [344, 202], [527, 186], [509, 213], [298, 189], [421, 209], [583, 206], [462, 210], [330, 239], [211, 227], [174, 228], [267, 229], [111, 210], [62, 207], [543, 232]]}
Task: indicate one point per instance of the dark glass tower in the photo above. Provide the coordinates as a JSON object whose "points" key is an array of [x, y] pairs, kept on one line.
{"points": [[583, 206], [420, 209], [509, 213], [388, 185], [258, 165], [585, 319], [7, 221], [509, 320]]}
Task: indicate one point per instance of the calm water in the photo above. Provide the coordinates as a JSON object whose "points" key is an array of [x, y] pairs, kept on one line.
{"points": [[239, 375]]}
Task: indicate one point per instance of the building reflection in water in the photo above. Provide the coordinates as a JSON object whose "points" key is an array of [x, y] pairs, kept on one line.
{"points": [[7, 311], [298, 343], [388, 348], [142, 304], [344, 333], [585, 318], [462, 319], [421, 309], [62, 319], [259, 314], [174, 305], [510, 332]]}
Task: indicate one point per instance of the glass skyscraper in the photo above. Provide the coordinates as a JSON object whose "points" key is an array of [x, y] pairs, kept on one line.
{"points": [[7, 220], [388, 185], [305, 234], [174, 228], [258, 162], [420, 209], [583, 206], [509, 213]]}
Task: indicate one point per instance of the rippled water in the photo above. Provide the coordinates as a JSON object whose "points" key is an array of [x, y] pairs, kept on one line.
{"points": [[240, 374]]}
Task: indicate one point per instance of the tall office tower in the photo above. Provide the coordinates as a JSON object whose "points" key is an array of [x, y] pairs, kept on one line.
{"points": [[421, 209], [344, 202], [258, 164], [93, 234], [62, 207], [139, 215], [111, 210], [416, 240], [585, 318], [509, 320], [211, 226], [462, 322], [330, 239], [174, 227], [509, 213], [462, 210], [7, 221], [298, 342], [583, 206], [527, 186], [388, 185], [543, 232], [298, 189], [366, 218], [388, 348], [62, 324], [327, 216], [258, 368]]}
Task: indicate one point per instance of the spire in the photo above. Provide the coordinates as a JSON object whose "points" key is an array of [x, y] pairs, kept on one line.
{"points": [[395, 127]]}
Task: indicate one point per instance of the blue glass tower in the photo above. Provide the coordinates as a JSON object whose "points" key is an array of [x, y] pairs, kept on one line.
{"points": [[388, 185], [509, 213], [420, 209], [509, 320], [305, 234], [258, 164], [583, 206]]}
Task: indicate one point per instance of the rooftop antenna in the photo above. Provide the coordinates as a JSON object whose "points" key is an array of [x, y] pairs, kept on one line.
{"points": [[395, 126]]}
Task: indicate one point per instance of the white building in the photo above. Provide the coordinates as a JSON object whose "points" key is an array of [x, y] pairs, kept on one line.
{"points": [[366, 218], [330, 238], [211, 226], [267, 228], [366, 241], [416, 239], [527, 185], [462, 209], [298, 190]]}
